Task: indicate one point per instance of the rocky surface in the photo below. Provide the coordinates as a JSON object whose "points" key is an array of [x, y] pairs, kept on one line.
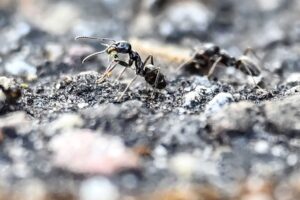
{"points": [[64, 135]]}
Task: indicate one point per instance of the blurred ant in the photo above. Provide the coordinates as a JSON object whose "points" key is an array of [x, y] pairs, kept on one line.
{"points": [[12, 94], [206, 60], [150, 72]]}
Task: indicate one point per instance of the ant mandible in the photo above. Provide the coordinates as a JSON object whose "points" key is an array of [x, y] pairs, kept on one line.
{"points": [[150, 72]]}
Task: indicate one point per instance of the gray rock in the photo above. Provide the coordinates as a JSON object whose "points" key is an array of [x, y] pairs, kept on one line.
{"points": [[284, 115], [234, 117], [219, 101], [195, 96], [180, 132], [293, 90]]}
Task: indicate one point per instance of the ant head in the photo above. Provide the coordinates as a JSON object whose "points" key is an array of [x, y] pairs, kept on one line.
{"points": [[120, 47]]}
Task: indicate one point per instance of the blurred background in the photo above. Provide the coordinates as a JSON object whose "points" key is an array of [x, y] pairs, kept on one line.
{"points": [[256, 23], [231, 24]]}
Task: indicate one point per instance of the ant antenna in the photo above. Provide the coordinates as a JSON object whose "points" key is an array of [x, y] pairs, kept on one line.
{"points": [[95, 38], [111, 67], [99, 39], [103, 40], [93, 54]]}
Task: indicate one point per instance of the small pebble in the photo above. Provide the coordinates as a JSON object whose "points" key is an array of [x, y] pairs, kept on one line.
{"points": [[194, 97], [218, 102], [184, 165], [227, 119], [82, 105], [262, 147], [64, 122], [98, 188], [284, 114]]}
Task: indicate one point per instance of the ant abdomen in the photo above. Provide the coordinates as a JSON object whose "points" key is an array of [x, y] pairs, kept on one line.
{"points": [[154, 78]]}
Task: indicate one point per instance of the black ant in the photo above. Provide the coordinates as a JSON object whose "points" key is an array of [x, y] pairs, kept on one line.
{"points": [[150, 72], [205, 61]]}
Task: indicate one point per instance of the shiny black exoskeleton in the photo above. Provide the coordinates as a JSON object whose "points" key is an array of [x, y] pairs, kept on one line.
{"points": [[149, 72], [122, 47]]}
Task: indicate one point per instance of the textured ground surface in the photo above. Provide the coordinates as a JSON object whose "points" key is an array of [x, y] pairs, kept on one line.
{"points": [[67, 137]]}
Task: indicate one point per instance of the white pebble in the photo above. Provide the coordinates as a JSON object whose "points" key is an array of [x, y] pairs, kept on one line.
{"points": [[65, 122], [183, 165], [218, 102], [98, 188], [191, 98], [261, 147]]}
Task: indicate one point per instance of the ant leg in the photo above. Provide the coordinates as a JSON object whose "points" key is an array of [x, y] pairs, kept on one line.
{"points": [[249, 71], [213, 67], [253, 52], [186, 62], [113, 64], [146, 60], [127, 87], [125, 64], [156, 80], [119, 76], [108, 70]]}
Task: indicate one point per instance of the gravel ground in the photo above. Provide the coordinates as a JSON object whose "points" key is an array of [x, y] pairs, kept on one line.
{"points": [[64, 135]]}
